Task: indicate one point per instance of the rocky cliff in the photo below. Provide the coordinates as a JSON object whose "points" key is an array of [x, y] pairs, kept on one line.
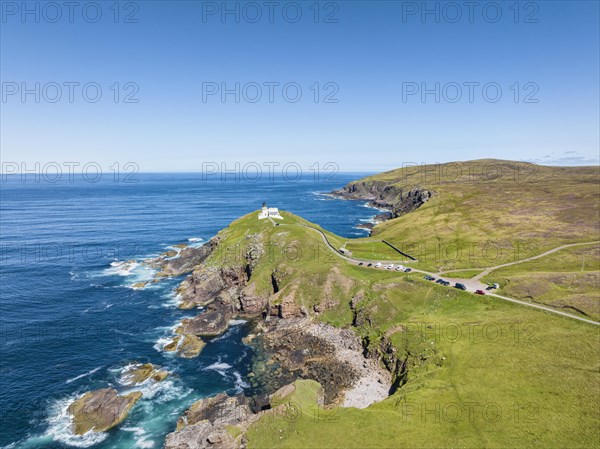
{"points": [[398, 200]]}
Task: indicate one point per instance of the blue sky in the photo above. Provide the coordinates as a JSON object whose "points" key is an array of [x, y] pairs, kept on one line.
{"points": [[370, 59]]}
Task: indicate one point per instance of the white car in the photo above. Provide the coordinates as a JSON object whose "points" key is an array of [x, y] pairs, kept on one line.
{"points": [[399, 268], [378, 264], [390, 266]]}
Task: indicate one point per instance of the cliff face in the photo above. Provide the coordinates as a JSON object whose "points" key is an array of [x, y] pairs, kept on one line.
{"points": [[397, 200]]}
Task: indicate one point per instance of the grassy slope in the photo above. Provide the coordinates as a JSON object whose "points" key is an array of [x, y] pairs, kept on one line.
{"points": [[524, 210], [540, 372], [569, 278]]}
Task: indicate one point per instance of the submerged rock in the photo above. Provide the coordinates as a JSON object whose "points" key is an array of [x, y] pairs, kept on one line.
{"points": [[101, 410]]}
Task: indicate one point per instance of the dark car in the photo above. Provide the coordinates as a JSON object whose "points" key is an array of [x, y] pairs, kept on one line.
{"points": [[446, 283], [440, 281], [369, 265], [460, 286], [479, 292], [429, 278], [407, 270], [360, 264]]}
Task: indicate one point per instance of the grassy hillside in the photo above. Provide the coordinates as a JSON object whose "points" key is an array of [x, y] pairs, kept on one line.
{"points": [[476, 371], [484, 213], [568, 279]]}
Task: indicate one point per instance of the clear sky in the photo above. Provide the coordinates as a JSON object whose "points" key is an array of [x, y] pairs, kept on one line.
{"points": [[374, 58]]}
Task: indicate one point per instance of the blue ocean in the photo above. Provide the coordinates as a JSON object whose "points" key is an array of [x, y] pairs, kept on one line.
{"points": [[70, 319]]}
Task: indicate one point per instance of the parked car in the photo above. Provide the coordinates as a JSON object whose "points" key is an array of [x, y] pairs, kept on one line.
{"points": [[369, 265], [440, 281], [479, 292], [378, 264], [407, 270], [460, 286], [399, 268], [429, 278], [360, 264], [390, 267]]}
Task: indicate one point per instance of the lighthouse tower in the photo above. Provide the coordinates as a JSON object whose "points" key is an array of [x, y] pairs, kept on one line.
{"points": [[269, 212]]}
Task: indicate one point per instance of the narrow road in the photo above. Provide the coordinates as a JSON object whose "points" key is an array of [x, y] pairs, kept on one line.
{"points": [[472, 284], [558, 248], [488, 270]]}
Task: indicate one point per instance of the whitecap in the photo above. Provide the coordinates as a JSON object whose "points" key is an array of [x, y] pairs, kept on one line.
{"points": [[158, 392], [89, 373], [219, 367], [122, 268], [240, 384], [236, 322], [195, 239], [161, 343], [174, 299], [141, 438]]}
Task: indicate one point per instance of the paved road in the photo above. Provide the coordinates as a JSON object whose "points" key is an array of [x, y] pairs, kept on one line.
{"points": [[471, 284]]}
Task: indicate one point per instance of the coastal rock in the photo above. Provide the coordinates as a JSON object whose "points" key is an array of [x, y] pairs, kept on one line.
{"points": [[100, 410], [397, 199], [206, 422], [185, 345], [138, 373], [251, 303], [205, 284], [290, 350], [173, 263], [213, 321], [220, 410]]}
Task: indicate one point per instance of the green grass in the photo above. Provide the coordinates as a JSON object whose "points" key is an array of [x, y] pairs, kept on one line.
{"points": [[540, 371], [476, 222], [568, 279], [530, 379], [463, 274]]}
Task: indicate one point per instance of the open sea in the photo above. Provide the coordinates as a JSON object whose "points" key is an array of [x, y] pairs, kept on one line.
{"points": [[70, 320]]}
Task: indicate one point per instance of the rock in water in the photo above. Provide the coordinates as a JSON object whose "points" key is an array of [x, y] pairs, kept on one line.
{"points": [[186, 345], [138, 373], [205, 423], [100, 410]]}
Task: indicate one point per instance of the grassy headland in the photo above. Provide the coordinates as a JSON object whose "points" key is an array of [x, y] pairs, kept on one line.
{"points": [[469, 371]]}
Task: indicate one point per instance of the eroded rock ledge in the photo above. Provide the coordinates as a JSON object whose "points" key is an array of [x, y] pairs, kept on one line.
{"points": [[221, 421], [397, 200]]}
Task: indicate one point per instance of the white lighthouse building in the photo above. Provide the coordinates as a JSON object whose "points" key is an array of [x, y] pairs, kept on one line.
{"points": [[269, 212]]}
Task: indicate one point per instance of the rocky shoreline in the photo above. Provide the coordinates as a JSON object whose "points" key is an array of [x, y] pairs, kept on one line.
{"points": [[395, 199]]}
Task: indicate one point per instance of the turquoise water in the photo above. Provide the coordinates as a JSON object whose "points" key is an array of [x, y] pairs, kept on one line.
{"points": [[70, 321]]}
